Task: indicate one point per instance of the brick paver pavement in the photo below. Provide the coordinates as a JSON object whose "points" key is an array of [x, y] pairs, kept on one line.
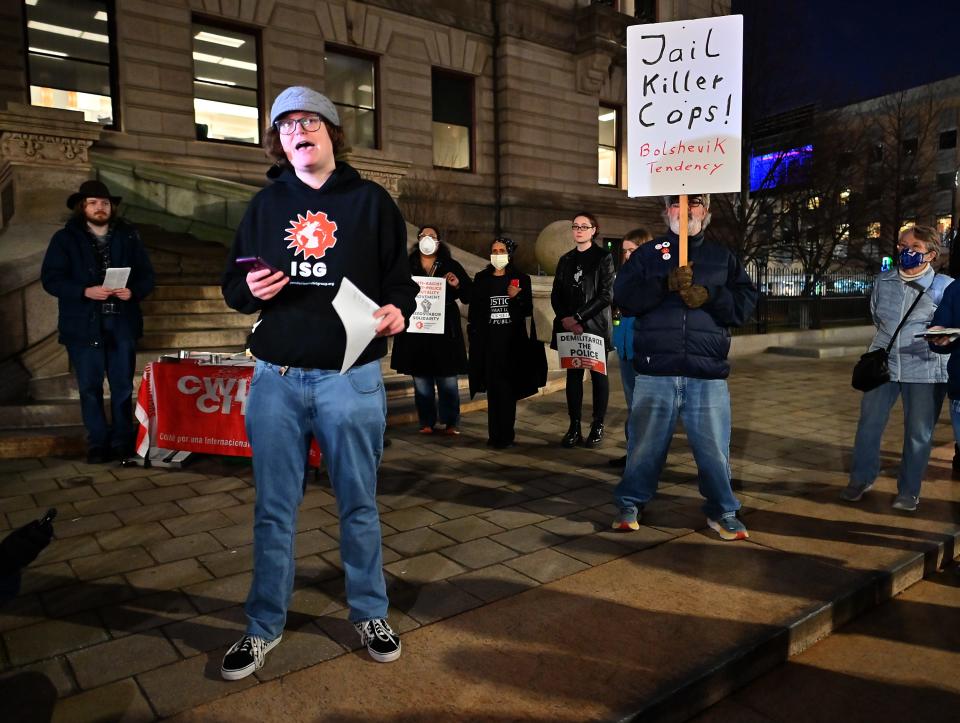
{"points": [[132, 605]]}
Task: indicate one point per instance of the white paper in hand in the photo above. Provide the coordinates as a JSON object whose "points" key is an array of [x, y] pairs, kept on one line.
{"points": [[355, 310], [116, 278]]}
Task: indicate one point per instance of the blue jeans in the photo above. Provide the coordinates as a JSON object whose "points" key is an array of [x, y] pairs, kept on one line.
{"points": [[347, 415], [114, 359], [704, 407], [423, 397], [921, 408], [627, 376]]}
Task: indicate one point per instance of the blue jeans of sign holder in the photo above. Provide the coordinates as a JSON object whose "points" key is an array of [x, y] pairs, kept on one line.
{"points": [[704, 407], [922, 402], [426, 403], [347, 415]]}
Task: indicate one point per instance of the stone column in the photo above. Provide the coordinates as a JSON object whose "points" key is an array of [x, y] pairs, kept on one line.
{"points": [[43, 159]]}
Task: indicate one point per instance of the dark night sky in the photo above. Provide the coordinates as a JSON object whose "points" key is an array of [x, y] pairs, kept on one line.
{"points": [[841, 51]]}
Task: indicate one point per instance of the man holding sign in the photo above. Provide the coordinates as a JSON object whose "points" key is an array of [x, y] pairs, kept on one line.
{"points": [[681, 341]]}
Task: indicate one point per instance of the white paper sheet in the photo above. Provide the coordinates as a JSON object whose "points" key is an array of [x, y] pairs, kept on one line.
{"points": [[116, 278], [355, 310]]}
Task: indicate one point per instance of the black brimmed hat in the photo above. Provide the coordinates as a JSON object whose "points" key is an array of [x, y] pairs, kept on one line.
{"points": [[92, 189]]}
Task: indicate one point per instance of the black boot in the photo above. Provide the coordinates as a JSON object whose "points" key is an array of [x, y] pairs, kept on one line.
{"points": [[595, 438], [573, 437]]}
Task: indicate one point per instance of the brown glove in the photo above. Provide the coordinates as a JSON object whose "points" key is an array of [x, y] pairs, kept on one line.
{"points": [[694, 296], [680, 278]]}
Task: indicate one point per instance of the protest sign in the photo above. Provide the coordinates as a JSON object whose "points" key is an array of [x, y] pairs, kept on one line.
{"points": [[684, 93], [431, 301], [581, 351]]}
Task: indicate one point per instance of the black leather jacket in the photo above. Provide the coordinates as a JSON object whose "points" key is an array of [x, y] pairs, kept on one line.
{"points": [[586, 299]]}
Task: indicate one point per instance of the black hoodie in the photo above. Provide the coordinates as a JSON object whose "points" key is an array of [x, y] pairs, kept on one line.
{"points": [[348, 228]]}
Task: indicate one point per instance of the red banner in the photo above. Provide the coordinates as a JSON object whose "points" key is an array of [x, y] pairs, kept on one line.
{"points": [[195, 407]]}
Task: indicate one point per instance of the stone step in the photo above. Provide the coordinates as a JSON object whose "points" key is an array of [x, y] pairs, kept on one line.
{"points": [[823, 351], [187, 306], [186, 291], [196, 339], [187, 278], [55, 428], [185, 322]]}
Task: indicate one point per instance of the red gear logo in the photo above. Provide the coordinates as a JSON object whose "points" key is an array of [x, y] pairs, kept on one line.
{"points": [[312, 236]]}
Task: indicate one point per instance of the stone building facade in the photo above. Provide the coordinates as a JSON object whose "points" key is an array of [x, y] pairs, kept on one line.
{"points": [[538, 76]]}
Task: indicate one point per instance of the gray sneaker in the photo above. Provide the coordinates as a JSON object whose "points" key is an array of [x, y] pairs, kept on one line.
{"points": [[906, 503], [729, 527], [854, 492]]}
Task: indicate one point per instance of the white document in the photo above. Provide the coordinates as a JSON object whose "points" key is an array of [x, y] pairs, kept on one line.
{"points": [[355, 310], [116, 278]]}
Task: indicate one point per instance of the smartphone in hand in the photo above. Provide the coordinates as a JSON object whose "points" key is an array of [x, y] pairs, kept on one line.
{"points": [[254, 263]]}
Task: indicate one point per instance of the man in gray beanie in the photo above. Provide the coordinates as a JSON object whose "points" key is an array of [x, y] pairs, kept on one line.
{"points": [[681, 340], [317, 225]]}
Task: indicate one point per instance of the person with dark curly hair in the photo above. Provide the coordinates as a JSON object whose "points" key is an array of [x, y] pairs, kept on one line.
{"points": [[500, 303]]}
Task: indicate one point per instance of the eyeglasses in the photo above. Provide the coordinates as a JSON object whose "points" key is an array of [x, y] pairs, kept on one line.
{"points": [[692, 203], [309, 124], [577, 227]]}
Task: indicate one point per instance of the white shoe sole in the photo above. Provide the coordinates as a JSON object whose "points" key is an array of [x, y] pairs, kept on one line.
{"points": [[386, 658], [249, 669]]}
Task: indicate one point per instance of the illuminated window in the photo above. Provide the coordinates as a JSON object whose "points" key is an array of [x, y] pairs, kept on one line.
{"points": [[845, 197], [452, 120], [608, 146], [813, 203], [69, 52], [907, 223], [943, 224], [351, 83], [873, 229], [225, 84]]}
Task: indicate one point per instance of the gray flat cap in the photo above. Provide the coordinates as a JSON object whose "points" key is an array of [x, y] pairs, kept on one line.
{"points": [[301, 98]]}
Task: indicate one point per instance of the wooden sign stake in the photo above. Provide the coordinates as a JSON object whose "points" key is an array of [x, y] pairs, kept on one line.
{"points": [[682, 251]]}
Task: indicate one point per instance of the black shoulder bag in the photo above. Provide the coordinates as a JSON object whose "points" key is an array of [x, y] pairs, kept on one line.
{"points": [[872, 369]]}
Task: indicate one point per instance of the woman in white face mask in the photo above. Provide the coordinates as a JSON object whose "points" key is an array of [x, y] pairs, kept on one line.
{"points": [[435, 360], [501, 301]]}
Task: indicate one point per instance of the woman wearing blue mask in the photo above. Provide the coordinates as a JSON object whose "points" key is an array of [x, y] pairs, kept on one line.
{"points": [[916, 373]]}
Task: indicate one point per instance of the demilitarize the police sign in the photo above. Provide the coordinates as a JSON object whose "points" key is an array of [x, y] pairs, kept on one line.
{"points": [[684, 93]]}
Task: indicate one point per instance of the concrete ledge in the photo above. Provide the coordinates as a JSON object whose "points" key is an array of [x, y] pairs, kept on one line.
{"points": [[818, 352], [755, 343]]}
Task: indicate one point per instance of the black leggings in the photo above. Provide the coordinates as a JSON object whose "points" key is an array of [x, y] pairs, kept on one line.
{"points": [[601, 391]]}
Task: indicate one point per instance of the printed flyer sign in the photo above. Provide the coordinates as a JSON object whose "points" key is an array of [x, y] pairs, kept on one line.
{"points": [[684, 97], [431, 301], [581, 351]]}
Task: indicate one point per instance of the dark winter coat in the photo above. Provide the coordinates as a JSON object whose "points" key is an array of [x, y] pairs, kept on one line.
{"points": [[587, 299], [71, 266], [483, 342], [669, 338], [436, 355]]}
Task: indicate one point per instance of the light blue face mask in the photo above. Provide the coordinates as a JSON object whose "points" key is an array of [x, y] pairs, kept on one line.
{"points": [[910, 259]]}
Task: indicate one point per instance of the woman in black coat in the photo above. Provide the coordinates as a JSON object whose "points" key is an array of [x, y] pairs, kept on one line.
{"points": [[435, 360], [581, 296], [502, 300]]}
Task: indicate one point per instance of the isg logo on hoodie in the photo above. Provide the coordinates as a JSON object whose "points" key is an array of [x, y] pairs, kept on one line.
{"points": [[311, 236]]}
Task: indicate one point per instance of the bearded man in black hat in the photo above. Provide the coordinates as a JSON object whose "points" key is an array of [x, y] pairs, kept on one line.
{"points": [[99, 325]]}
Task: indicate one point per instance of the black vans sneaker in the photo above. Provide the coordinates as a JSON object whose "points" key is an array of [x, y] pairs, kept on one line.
{"points": [[382, 643], [246, 656]]}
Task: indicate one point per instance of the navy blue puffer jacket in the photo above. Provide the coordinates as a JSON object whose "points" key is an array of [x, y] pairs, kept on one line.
{"points": [[669, 338]]}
